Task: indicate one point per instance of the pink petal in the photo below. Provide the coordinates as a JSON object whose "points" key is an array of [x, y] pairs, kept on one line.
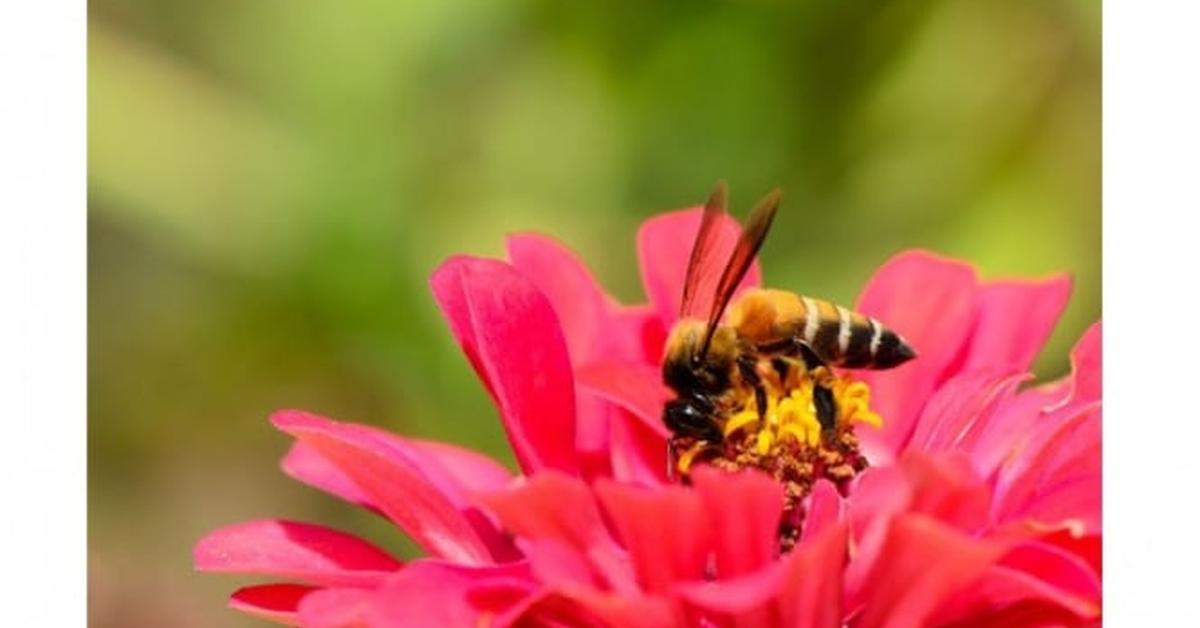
{"points": [[636, 387], [930, 301], [337, 608], [825, 509], [1009, 425], [1030, 470], [391, 481], [1076, 501], [743, 598], [425, 593], [557, 563], [961, 409], [664, 247], [942, 488], [1033, 573], [301, 551], [1026, 615], [578, 301], [593, 430], [1069, 580], [946, 487], [307, 465], [636, 333], [811, 596], [651, 526], [454, 472], [1014, 320], [593, 418], [1086, 365], [602, 609], [273, 602], [511, 335], [639, 453], [551, 506], [906, 586], [801, 590], [457, 472], [743, 512]]}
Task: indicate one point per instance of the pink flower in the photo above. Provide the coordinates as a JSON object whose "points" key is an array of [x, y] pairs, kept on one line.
{"points": [[981, 506]]}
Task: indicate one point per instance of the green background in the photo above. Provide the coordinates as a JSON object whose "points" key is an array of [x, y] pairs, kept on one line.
{"points": [[271, 183]]}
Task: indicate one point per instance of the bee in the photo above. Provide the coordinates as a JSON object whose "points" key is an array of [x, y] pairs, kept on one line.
{"points": [[713, 357]]}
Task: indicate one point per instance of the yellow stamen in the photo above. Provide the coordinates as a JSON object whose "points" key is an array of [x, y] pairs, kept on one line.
{"points": [[740, 420], [765, 439], [688, 457]]}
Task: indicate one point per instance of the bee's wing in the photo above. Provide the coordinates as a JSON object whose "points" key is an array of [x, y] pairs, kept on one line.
{"points": [[753, 234], [704, 264]]}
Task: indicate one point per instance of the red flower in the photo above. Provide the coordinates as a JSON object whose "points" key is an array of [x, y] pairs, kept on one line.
{"points": [[981, 506]]}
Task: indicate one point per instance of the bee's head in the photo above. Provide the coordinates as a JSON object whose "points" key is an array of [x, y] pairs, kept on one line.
{"points": [[688, 367]]}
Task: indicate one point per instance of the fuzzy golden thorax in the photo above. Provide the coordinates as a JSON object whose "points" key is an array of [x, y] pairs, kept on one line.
{"points": [[688, 368]]}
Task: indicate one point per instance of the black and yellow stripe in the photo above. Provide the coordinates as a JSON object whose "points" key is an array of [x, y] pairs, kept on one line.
{"points": [[848, 339]]}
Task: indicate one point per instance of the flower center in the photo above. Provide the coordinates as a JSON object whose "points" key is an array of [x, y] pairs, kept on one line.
{"points": [[786, 439]]}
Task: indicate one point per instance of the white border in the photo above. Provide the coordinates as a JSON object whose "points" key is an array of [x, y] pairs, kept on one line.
{"points": [[1151, 371], [43, 313]]}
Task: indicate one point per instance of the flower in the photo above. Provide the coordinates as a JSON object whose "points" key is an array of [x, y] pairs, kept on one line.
{"points": [[980, 505]]}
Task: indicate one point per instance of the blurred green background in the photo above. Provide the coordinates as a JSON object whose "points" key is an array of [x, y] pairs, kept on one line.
{"points": [[271, 182]]}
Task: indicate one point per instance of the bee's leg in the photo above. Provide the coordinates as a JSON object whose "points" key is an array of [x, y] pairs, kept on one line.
{"points": [[823, 400], [826, 407], [748, 369], [671, 459]]}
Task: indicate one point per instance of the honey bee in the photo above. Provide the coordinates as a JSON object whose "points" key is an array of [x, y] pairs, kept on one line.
{"points": [[714, 357]]}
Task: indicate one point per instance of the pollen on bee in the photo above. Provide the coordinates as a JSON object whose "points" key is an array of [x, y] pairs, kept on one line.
{"points": [[786, 440]]}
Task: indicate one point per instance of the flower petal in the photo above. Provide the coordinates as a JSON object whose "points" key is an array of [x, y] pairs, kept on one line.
{"points": [[660, 529], [639, 453], [1032, 573], [636, 333], [302, 551], [578, 301], [425, 593], [337, 608], [942, 488], [636, 387], [273, 602], [664, 246], [1014, 320], [960, 411], [825, 509], [393, 482], [947, 488], [811, 596], [1032, 472], [511, 334], [929, 300], [1086, 365], [552, 506], [598, 609], [743, 512], [801, 590], [456, 471], [906, 587], [1011, 423], [307, 465]]}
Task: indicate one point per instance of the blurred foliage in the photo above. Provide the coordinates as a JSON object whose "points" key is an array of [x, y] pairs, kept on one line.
{"points": [[271, 184]]}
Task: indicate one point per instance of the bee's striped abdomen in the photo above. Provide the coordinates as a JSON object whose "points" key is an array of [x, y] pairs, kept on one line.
{"points": [[845, 338]]}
